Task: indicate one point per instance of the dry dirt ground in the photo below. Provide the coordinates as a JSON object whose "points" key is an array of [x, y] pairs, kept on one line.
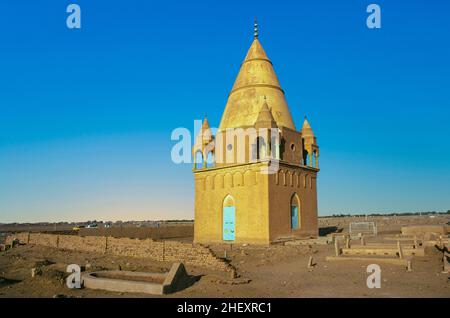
{"points": [[265, 271]]}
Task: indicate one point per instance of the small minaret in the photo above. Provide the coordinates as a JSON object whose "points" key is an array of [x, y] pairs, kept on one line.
{"points": [[267, 144], [204, 144], [310, 147], [265, 118]]}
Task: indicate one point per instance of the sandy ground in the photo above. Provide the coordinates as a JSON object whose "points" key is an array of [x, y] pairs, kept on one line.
{"points": [[270, 271]]}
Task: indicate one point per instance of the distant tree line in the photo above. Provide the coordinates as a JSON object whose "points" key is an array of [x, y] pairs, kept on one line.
{"points": [[388, 214]]}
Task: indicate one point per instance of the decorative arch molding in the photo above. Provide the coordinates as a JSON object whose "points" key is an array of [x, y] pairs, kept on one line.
{"points": [[200, 184], [228, 180], [218, 181], [280, 177], [289, 178], [209, 183], [249, 178], [238, 179], [294, 179]]}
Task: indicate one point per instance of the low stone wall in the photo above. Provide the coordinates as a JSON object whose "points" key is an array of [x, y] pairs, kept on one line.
{"points": [[163, 232], [424, 229], [171, 251]]}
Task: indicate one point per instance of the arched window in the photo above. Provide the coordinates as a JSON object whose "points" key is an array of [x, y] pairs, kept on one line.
{"points": [[305, 158], [314, 158], [198, 160], [260, 148], [295, 212], [210, 160], [228, 219]]}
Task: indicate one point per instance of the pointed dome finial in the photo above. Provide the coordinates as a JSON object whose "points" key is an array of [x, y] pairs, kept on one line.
{"points": [[205, 125], [306, 129], [255, 29]]}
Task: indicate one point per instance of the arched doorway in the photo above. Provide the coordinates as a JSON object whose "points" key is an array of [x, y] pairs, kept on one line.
{"points": [[295, 212], [228, 219]]}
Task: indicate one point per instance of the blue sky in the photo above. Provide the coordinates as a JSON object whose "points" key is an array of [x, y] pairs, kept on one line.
{"points": [[86, 115]]}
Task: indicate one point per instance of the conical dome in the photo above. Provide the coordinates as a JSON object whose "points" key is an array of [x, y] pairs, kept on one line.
{"points": [[256, 78]]}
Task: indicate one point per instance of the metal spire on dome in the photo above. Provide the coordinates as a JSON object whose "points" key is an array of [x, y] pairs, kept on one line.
{"points": [[255, 29]]}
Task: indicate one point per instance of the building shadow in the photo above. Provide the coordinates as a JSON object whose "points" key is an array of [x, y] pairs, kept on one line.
{"points": [[324, 231], [7, 282]]}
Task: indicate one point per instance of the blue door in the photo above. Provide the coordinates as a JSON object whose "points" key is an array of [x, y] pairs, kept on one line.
{"points": [[294, 217], [228, 223]]}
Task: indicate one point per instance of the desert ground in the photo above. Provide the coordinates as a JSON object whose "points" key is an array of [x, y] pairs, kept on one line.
{"points": [[263, 271]]}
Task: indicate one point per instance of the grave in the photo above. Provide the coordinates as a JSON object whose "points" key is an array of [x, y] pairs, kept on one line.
{"points": [[139, 282]]}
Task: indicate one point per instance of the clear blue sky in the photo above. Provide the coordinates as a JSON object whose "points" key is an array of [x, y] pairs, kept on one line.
{"points": [[86, 115]]}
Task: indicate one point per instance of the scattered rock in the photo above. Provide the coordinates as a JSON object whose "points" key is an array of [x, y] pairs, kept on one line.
{"points": [[240, 281], [233, 274], [36, 271], [55, 275], [62, 296], [43, 263]]}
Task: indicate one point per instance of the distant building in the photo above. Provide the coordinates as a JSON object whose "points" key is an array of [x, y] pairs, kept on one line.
{"points": [[255, 180]]}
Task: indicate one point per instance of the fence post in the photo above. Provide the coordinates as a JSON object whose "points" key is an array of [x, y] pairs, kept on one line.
{"points": [[163, 250]]}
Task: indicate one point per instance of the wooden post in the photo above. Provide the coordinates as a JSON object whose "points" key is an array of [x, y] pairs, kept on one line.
{"points": [[347, 242], [363, 242], [106, 244], [336, 247], [163, 250], [416, 245], [409, 266], [399, 248], [310, 262]]}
